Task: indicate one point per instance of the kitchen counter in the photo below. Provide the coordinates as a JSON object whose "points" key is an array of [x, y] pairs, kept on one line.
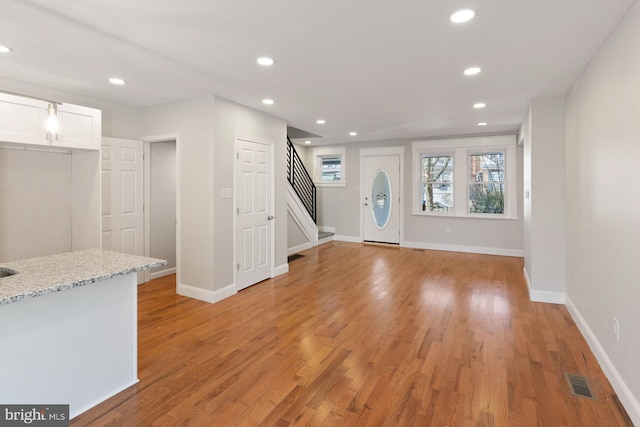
{"points": [[55, 273], [69, 328]]}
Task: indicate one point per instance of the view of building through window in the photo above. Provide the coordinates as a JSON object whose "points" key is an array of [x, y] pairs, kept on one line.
{"points": [[437, 188], [486, 183], [330, 168]]}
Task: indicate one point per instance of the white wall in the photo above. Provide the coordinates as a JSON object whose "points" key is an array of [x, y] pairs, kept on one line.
{"points": [[192, 121], [233, 120], [162, 212], [340, 208], [544, 209], [602, 194], [35, 204]]}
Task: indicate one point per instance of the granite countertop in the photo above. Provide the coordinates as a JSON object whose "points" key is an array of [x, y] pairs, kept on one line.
{"points": [[55, 273]]}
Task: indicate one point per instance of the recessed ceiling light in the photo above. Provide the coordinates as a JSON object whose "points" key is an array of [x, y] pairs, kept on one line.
{"points": [[265, 61], [472, 71], [5, 49], [320, 122], [307, 142], [353, 133], [483, 124], [479, 105], [116, 81], [463, 16], [267, 101]]}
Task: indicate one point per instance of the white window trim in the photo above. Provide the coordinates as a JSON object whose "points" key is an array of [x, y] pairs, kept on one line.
{"points": [[462, 148], [321, 152]]}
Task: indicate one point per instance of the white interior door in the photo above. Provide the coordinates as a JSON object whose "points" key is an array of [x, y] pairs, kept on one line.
{"points": [[381, 199], [122, 196], [253, 212]]}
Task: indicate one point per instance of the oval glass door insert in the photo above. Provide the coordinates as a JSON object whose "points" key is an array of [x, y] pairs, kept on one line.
{"points": [[381, 198]]}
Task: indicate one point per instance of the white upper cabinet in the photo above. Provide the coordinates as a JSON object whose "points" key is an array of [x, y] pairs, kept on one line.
{"points": [[80, 127], [23, 121]]}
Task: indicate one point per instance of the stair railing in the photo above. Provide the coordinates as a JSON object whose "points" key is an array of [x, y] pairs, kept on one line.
{"points": [[300, 180]]}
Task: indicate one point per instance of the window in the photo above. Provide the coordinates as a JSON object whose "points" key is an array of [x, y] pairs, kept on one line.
{"points": [[465, 177], [437, 183], [486, 183], [329, 166]]}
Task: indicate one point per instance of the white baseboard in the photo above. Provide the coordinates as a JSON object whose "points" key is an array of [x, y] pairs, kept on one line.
{"points": [[460, 248], [281, 269], [325, 240], [206, 294], [629, 401], [326, 229], [300, 248], [352, 239], [543, 296], [162, 273]]}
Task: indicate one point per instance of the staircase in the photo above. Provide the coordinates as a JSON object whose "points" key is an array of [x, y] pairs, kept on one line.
{"points": [[301, 202], [300, 180]]}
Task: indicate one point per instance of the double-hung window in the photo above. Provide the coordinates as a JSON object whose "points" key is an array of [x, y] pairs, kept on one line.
{"points": [[486, 182], [436, 187], [465, 177]]}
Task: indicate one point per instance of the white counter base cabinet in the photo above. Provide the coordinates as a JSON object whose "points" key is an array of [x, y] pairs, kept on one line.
{"points": [[76, 347]]}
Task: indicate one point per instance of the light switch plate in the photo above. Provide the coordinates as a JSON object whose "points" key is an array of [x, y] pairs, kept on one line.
{"points": [[225, 193]]}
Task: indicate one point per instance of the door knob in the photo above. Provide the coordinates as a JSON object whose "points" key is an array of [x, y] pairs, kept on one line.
{"points": [[270, 217]]}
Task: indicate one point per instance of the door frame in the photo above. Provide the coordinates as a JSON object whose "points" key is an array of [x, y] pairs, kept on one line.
{"points": [[148, 140], [398, 151], [272, 204]]}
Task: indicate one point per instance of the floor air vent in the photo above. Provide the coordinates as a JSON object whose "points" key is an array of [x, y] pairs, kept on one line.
{"points": [[579, 386], [294, 257]]}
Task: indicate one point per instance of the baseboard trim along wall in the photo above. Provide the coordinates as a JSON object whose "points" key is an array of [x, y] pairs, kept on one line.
{"points": [[162, 273], [299, 248], [543, 296], [281, 269], [206, 294], [630, 403], [467, 249], [326, 229], [352, 239]]}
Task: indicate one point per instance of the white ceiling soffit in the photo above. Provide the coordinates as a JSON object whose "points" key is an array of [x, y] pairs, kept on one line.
{"points": [[384, 69]]}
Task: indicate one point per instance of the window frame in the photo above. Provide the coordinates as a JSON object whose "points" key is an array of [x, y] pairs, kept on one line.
{"points": [[481, 151], [462, 148], [320, 153], [436, 153]]}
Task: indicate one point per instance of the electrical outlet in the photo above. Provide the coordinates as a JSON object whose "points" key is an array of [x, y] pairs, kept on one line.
{"points": [[616, 328], [448, 229]]}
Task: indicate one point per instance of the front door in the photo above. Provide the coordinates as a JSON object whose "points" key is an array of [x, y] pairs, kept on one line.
{"points": [[122, 196], [253, 212], [381, 199]]}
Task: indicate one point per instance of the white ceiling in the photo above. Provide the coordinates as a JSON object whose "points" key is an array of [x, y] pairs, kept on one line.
{"points": [[385, 68]]}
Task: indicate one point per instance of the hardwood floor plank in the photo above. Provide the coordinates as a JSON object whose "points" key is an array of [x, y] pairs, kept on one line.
{"points": [[362, 335]]}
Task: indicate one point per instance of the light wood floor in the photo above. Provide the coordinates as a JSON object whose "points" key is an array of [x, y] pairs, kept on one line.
{"points": [[362, 335]]}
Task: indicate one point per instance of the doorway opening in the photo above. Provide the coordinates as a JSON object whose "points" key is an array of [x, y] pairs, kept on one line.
{"points": [[161, 204]]}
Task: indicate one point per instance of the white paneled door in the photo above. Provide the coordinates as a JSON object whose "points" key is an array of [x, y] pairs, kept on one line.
{"points": [[254, 220], [122, 196], [381, 199]]}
